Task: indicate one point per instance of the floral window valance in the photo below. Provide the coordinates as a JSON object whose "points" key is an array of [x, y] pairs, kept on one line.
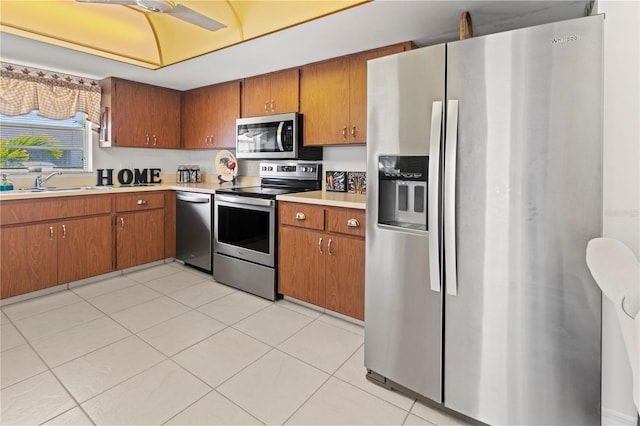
{"points": [[55, 95]]}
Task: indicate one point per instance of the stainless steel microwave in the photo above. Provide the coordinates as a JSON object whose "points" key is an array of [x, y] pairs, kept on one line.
{"points": [[277, 137]]}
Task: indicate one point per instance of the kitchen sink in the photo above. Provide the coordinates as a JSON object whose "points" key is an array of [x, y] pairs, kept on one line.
{"points": [[64, 188]]}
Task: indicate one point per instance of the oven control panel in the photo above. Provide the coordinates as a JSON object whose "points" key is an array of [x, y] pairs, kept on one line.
{"points": [[291, 170]]}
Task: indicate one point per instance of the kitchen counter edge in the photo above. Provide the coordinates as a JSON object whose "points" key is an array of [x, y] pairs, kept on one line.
{"points": [[207, 188], [325, 198]]}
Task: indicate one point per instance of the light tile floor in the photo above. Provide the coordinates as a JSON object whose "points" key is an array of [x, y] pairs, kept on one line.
{"points": [[169, 345]]}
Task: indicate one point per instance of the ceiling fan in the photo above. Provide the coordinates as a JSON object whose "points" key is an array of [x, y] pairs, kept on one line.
{"points": [[170, 8]]}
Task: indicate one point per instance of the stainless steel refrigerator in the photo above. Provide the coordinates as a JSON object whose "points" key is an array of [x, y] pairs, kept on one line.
{"points": [[484, 162]]}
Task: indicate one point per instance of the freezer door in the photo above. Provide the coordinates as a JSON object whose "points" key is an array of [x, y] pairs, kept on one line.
{"points": [[522, 334], [403, 315]]}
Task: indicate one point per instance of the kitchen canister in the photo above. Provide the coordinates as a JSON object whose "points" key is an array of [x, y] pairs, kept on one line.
{"points": [[194, 174], [183, 175]]}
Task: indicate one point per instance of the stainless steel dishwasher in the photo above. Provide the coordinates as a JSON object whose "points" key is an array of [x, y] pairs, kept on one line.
{"points": [[194, 216]]}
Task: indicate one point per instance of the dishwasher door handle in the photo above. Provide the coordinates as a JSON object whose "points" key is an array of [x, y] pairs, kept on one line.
{"points": [[192, 199]]}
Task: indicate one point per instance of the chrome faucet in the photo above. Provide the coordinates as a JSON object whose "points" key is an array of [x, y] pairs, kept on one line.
{"points": [[40, 181]]}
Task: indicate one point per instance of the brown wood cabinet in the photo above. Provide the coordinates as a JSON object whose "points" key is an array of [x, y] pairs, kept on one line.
{"points": [[29, 259], [208, 116], [273, 93], [139, 229], [52, 241], [321, 256], [333, 97], [39, 252], [85, 248], [139, 115]]}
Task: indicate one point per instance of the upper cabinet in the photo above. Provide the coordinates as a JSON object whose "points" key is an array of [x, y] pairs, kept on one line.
{"points": [[139, 115], [209, 116], [273, 93], [333, 97]]}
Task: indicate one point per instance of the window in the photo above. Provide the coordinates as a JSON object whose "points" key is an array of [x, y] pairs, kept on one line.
{"points": [[31, 140]]}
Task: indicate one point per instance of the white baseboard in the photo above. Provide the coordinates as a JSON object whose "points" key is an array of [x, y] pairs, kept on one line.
{"points": [[616, 418]]}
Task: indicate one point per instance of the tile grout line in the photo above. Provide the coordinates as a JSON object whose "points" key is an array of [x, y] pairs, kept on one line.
{"points": [[165, 357], [213, 389], [50, 370]]}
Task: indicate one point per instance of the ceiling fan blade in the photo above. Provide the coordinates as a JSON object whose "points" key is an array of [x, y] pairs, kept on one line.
{"points": [[131, 2], [188, 15]]}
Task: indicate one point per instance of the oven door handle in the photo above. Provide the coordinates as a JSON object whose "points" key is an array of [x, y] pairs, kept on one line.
{"points": [[246, 200]]}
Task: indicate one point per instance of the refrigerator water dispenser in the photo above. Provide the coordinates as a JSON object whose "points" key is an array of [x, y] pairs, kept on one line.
{"points": [[402, 201]]}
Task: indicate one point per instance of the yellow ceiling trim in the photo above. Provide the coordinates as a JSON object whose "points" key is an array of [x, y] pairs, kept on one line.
{"points": [[238, 23], [117, 56], [154, 40]]}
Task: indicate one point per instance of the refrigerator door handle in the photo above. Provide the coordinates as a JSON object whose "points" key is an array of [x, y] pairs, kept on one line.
{"points": [[450, 197], [434, 194]]}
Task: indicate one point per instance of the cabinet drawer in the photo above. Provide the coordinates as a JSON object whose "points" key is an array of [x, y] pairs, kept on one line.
{"points": [[302, 215], [24, 211], [346, 221], [139, 201]]}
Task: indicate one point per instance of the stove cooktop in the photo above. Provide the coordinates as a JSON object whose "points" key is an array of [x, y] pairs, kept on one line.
{"points": [[261, 191]]}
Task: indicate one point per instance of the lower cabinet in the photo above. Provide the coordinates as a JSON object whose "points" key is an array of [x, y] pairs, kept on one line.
{"points": [[43, 255], [139, 228], [85, 248], [29, 259], [321, 256], [52, 241], [139, 238]]}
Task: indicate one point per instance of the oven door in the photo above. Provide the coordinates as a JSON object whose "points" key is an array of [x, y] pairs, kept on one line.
{"points": [[245, 228]]}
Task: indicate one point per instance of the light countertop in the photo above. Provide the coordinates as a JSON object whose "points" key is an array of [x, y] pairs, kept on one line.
{"points": [[205, 187], [327, 198]]}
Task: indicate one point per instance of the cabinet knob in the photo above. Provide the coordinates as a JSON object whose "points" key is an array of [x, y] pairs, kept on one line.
{"points": [[64, 231], [147, 138], [266, 106], [273, 106], [300, 216], [329, 247], [122, 223], [155, 140], [344, 132], [51, 233], [142, 202], [320, 246], [353, 131], [353, 223]]}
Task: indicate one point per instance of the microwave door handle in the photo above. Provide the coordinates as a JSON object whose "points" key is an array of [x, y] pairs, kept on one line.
{"points": [[279, 136]]}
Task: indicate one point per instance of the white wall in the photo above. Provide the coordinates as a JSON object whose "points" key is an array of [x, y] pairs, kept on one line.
{"points": [[341, 158], [166, 159], [621, 185]]}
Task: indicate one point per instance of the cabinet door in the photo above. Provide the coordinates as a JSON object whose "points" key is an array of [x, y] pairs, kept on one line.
{"points": [[163, 106], [324, 101], [29, 259], [285, 91], [345, 276], [256, 96], [130, 114], [85, 248], [358, 90], [197, 117], [301, 264], [139, 238], [227, 104]]}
